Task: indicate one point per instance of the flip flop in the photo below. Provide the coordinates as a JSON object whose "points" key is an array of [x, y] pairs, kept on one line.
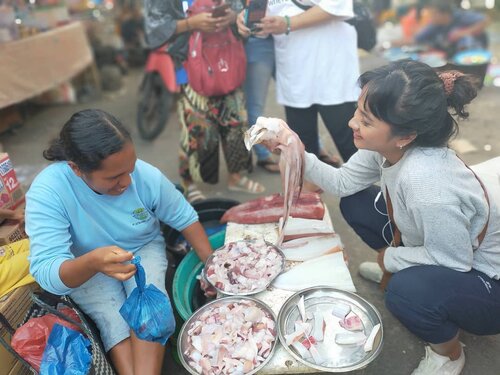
{"points": [[269, 165], [246, 185]]}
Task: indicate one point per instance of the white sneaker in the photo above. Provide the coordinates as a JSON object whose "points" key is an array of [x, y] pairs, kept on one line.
{"points": [[371, 271], [435, 364]]}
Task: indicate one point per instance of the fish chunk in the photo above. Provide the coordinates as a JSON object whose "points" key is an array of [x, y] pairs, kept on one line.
{"points": [[350, 338], [276, 134], [340, 309], [352, 323], [371, 338]]}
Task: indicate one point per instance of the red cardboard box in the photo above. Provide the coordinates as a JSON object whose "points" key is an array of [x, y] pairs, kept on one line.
{"points": [[11, 193]]}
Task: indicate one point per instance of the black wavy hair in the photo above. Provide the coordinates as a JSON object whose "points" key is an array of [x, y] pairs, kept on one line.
{"points": [[87, 138], [410, 97]]}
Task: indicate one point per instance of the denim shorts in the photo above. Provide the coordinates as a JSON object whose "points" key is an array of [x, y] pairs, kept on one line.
{"points": [[101, 297]]}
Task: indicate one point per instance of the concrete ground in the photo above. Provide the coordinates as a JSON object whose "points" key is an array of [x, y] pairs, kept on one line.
{"points": [[478, 141]]}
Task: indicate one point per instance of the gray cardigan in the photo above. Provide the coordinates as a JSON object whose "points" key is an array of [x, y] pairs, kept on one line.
{"points": [[439, 207]]}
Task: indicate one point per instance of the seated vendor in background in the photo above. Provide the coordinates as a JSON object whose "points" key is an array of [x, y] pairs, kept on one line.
{"points": [[89, 213], [451, 30]]}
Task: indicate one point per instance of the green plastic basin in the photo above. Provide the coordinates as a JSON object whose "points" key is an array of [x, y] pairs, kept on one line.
{"points": [[185, 277]]}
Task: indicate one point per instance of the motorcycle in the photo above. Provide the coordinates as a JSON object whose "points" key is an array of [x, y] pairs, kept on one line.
{"points": [[156, 94]]}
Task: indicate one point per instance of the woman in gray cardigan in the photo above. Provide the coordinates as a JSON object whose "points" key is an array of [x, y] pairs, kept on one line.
{"points": [[439, 238]]}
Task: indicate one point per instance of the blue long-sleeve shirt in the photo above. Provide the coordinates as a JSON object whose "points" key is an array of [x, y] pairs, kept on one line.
{"points": [[66, 219]]}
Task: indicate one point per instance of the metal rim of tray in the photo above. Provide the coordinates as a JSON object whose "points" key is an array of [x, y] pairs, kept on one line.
{"points": [[289, 306], [221, 301], [255, 291]]}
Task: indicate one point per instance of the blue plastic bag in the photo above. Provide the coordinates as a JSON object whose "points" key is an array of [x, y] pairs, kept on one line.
{"points": [[148, 310], [67, 352]]}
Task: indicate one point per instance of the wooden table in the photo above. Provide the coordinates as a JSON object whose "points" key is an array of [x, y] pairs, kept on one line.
{"points": [[281, 362]]}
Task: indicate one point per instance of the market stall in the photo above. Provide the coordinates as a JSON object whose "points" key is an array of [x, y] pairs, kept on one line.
{"points": [[336, 285], [33, 65]]}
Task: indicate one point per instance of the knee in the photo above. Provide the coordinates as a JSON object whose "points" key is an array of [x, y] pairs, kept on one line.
{"points": [[348, 208], [410, 288]]}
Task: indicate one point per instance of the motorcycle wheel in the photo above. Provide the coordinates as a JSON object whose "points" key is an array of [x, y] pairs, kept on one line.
{"points": [[154, 106]]}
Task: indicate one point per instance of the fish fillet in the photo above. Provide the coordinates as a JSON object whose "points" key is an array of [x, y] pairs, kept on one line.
{"points": [[303, 249], [270, 209], [328, 270]]}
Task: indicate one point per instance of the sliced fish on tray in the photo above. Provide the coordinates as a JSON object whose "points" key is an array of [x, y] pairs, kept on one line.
{"points": [[232, 335], [244, 267], [330, 330]]}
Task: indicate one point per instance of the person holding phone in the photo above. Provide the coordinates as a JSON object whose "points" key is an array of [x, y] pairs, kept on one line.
{"points": [[325, 84], [205, 120]]}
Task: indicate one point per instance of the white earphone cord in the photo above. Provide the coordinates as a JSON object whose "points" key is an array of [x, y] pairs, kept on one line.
{"points": [[386, 224]]}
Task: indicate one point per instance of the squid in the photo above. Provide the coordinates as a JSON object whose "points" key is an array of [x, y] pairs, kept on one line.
{"points": [[276, 134]]}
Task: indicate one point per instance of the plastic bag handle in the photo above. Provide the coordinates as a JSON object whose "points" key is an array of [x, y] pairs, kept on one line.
{"points": [[43, 304], [140, 275]]}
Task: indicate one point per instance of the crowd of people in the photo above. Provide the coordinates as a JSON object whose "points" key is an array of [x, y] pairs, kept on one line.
{"points": [[403, 190]]}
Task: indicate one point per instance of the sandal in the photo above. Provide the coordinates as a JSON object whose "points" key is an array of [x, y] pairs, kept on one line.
{"points": [[246, 185], [269, 165], [193, 194], [334, 161]]}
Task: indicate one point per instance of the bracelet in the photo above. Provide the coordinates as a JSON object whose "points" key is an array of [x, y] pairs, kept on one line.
{"points": [[288, 28], [188, 25]]}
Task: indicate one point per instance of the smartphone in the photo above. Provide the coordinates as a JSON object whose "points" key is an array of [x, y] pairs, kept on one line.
{"points": [[220, 10], [256, 10]]}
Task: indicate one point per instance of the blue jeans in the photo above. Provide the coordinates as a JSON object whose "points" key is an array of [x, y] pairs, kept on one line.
{"points": [[260, 70], [433, 302]]}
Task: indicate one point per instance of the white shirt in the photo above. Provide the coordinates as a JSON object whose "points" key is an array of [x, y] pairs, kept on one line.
{"points": [[318, 64]]}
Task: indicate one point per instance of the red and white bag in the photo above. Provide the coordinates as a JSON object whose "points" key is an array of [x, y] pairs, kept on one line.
{"points": [[216, 63]]}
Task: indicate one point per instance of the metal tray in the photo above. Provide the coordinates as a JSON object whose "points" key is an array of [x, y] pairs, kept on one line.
{"points": [[254, 291], [182, 342], [338, 358]]}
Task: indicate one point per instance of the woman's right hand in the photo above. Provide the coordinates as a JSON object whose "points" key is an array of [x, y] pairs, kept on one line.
{"points": [[203, 22], [110, 260]]}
